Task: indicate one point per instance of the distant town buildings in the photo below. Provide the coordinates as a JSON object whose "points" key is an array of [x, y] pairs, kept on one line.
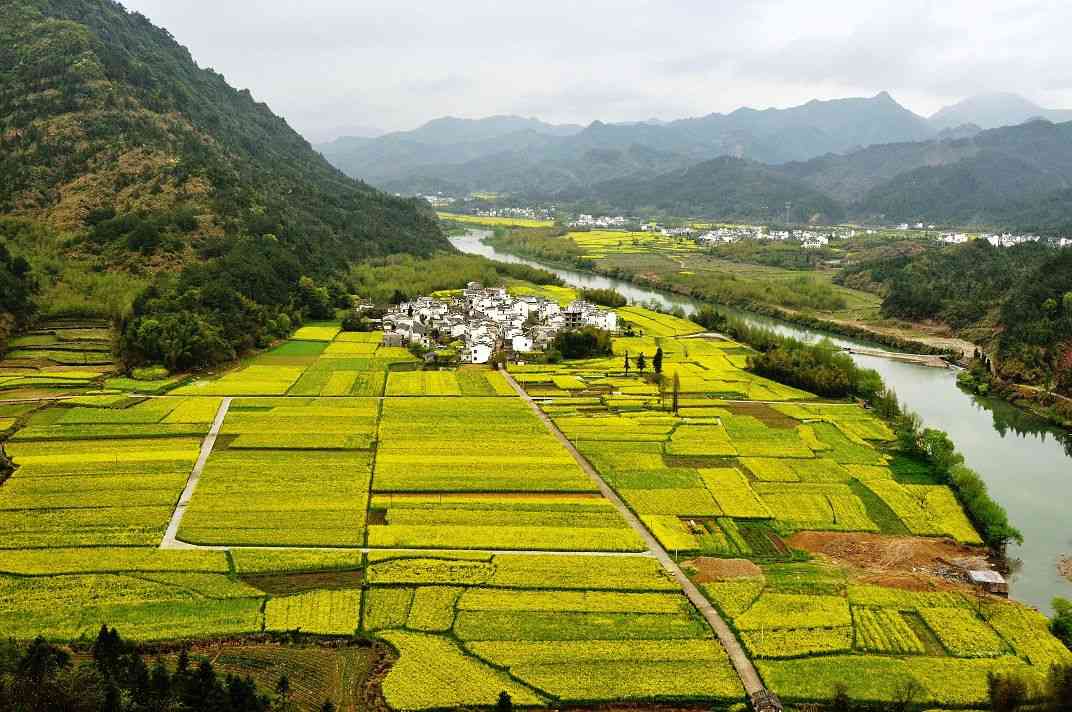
{"points": [[526, 213], [487, 320], [600, 221], [438, 201], [954, 238], [1007, 240]]}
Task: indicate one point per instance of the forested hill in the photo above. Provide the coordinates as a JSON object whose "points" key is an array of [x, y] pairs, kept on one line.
{"points": [[109, 130], [1016, 301], [723, 189]]}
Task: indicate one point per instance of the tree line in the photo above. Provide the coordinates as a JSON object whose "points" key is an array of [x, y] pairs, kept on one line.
{"points": [[1016, 300], [41, 677], [17, 288]]}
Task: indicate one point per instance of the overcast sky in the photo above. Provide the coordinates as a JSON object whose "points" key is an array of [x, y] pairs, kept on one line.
{"points": [[335, 66]]}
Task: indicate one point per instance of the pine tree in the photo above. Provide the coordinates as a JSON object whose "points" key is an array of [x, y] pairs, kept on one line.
{"points": [[657, 362], [641, 363], [677, 391]]}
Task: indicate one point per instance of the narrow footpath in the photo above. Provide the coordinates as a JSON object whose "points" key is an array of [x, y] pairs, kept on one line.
{"points": [[747, 672], [170, 541]]}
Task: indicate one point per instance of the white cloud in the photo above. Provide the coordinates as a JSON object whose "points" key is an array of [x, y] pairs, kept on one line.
{"points": [[396, 63]]}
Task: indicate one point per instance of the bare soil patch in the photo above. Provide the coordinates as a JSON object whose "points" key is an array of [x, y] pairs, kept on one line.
{"points": [[283, 584], [763, 413], [1064, 567], [914, 563], [710, 569]]}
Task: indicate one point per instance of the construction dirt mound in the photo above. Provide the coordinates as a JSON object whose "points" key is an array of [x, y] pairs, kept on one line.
{"points": [[1064, 566], [904, 562]]}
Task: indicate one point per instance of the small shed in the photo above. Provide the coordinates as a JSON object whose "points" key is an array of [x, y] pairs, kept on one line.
{"points": [[991, 581]]}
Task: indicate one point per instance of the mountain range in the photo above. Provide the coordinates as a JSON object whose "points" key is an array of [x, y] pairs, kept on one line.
{"points": [[866, 158]]}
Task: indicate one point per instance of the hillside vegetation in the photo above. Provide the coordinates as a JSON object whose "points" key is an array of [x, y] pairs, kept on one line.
{"points": [[15, 292], [109, 129], [121, 159], [1016, 300]]}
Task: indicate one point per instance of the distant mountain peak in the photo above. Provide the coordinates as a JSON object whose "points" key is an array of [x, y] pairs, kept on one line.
{"points": [[994, 109]]}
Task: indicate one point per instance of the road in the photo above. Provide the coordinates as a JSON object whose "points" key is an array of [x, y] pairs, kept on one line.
{"points": [[170, 541], [747, 672]]}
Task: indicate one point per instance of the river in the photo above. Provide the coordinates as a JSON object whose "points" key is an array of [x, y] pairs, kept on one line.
{"points": [[1025, 462]]}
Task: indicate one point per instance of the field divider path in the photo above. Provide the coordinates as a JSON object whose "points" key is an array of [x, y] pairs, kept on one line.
{"points": [[745, 669], [170, 540]]}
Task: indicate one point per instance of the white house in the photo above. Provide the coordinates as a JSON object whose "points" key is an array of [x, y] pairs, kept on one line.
{"points": [[487, 320]]}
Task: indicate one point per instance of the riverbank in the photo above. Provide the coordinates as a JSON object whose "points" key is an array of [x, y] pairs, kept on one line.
{"points": [[917, 341], [1023, 460]]}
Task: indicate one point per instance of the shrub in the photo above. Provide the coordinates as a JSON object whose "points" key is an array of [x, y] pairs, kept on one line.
{"points": [[588, 342]]}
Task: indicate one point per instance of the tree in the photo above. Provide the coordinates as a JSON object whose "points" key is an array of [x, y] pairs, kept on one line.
{"points": [[657, 361], [355, 321], [1007, 693], [641, 363], [504, 703], [840, 702], [677, 391], [1061, 623], [1060, 689], [328, 706], [905, 696], [627, 363], [282, 688], [588, 342]]}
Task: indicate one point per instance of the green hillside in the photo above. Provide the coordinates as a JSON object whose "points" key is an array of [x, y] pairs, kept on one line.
{"points": [[111, 132]]}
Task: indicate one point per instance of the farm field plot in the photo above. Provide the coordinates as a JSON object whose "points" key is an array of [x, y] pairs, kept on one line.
{"points": [[494, 221], [470, 445], [810, 628], [538, 619], [502, 521], [268, 497], [492, 560], [730, 477], [601, 243], [316, 674], [287, 471], [78, 483]]}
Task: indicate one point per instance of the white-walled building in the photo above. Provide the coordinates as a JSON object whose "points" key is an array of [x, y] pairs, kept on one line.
{"points": [[487, 320]]}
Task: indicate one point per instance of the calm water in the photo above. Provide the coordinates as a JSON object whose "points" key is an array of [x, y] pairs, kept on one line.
{"points": [[1026, 463]]}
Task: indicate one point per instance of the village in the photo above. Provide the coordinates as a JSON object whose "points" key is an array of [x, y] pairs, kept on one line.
{"points": [[488, 320]]}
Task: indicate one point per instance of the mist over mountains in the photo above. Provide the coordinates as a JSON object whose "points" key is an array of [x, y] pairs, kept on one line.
{"points": [[975, 162]]}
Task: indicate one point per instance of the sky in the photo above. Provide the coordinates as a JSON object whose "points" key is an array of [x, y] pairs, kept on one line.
{"points": [[337, 67]]}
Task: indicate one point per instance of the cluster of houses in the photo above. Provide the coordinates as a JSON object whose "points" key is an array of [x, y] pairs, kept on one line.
{"points": [[438, 201], [668, 231], [609, 222], [809, 239], [527, 213], [1003, 240], [489, 320]]}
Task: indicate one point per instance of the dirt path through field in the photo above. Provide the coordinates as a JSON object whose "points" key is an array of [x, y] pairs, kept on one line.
{"points": [[170, 541], [747, 672]]}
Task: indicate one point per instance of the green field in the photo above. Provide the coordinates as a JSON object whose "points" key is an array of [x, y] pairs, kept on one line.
{"points": [[349, 495]]}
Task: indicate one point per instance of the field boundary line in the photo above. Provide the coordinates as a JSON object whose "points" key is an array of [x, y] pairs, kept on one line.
{"points": [[743, 665], [170, 540]]}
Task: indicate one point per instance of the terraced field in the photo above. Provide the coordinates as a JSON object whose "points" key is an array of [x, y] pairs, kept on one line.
{"points": [[348, 495]]}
